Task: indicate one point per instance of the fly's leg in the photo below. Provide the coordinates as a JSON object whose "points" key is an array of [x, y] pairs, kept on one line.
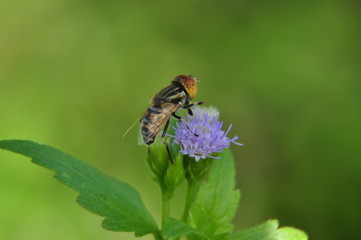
{"points": [[164, 141], [177, 117], [189, 105], [185, 123]]}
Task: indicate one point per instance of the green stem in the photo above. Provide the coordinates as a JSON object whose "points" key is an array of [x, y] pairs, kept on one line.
{"points": [[166, 197], [191, 192], [157, 236], [165, 208]]}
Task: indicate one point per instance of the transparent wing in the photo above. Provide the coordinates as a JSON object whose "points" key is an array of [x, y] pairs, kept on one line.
{"points": [[154, 122], [140, 137]]}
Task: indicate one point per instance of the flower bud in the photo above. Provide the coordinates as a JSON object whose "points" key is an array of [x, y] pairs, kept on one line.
{"points": [[175, 173], [158, 158], [196, 170]]}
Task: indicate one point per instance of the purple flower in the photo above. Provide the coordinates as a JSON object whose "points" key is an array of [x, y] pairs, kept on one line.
{"points": [[201, 135]]}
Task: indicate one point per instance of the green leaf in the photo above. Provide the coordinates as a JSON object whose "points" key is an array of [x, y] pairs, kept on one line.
{"points": [[265, 231], [174, 228], [269, 231], [221, 236], [216, 201], [103, 195], [290, 233]]}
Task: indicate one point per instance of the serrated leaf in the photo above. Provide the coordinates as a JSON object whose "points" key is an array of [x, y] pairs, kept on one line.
{"points": [[269, 231], [119, 203], [216, 201], [174, 228]]}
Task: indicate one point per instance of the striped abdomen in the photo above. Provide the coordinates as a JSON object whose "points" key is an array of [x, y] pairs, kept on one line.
{"points": [[154, 118]]}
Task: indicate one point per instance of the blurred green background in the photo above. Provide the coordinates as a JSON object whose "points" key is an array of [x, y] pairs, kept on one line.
{"points": [[286, 74]]}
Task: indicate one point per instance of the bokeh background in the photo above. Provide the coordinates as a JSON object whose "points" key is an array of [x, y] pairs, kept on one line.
{"points": [[76, 74]]}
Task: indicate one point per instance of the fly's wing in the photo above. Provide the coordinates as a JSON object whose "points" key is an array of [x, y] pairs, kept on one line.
{"points": [[154, 119], [140, 137]]}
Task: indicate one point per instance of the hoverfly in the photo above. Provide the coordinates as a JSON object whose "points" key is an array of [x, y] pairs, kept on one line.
{"points": [[165, 104]]}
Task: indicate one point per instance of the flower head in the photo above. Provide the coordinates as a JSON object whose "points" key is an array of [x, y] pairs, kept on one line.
{"points": [[201, 135]]}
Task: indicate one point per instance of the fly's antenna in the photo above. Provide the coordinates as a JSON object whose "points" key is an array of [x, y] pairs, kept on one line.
{"points": [[130, 128]]}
